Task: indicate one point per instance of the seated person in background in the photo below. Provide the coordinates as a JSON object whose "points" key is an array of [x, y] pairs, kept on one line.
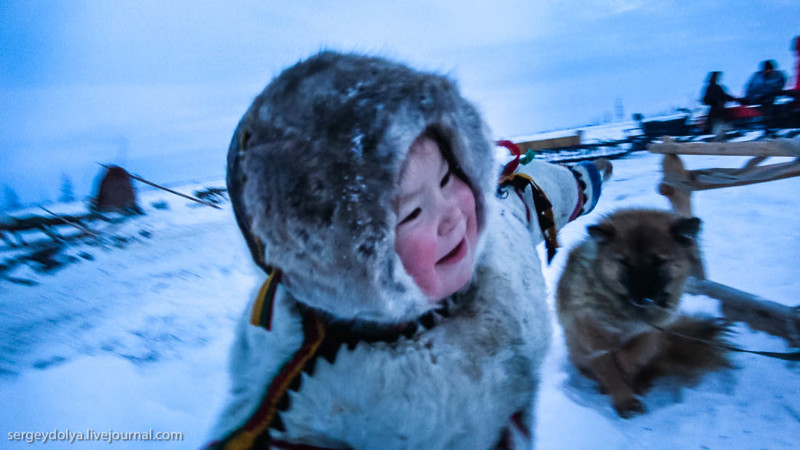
{"points": [[765, 84], [762, 89], [794, 88], [716, 97]]}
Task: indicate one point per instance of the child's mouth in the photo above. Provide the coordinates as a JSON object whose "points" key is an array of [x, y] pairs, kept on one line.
{"points": [[455, 255]]}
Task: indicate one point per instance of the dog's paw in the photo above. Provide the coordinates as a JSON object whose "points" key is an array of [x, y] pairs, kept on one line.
{"points": [[629, 408]]}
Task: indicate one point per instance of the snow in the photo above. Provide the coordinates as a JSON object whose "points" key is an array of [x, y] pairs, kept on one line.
{"points": [[136, 337], [750, 239]]}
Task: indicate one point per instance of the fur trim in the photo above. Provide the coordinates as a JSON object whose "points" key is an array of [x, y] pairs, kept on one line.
{"points": [[312, 169]]}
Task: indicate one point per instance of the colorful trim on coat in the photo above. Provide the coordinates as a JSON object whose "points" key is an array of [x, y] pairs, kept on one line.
{"points": [[255, 431], [512, 166], [590, 184], [261, 315], [320, 340]]}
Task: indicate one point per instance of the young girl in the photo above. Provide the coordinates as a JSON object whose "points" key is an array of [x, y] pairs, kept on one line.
{"points": [[405, 303]]}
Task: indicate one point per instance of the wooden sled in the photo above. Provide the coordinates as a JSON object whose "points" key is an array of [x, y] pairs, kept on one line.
{"points": [[678, 184]]}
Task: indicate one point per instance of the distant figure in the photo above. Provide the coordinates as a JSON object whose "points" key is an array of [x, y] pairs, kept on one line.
{"points": [[796, 48], [794, 88], [716, 97], [765, 84]]}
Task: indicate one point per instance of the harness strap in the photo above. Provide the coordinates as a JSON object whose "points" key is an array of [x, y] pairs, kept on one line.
{"points": [[544, 208], [261, 315]]}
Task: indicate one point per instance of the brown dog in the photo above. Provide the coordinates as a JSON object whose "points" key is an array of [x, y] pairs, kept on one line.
{"points": [[618, 299]]}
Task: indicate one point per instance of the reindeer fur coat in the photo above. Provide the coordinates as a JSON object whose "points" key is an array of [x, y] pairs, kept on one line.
{"points": [[312, 169]]}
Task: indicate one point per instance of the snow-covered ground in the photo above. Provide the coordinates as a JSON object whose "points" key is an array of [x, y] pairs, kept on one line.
{"points": [[751, 241], [134, 334]]}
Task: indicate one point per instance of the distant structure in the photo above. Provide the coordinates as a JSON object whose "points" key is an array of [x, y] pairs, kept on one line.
{"points": [[10, 199], [67, 193], [115, 193], [619, 109]]}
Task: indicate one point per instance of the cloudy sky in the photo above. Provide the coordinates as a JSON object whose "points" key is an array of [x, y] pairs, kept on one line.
{"points": [[159, 85]]}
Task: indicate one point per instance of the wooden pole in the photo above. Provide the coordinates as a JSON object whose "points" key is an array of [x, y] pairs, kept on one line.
{"points": [[194, 199], [758, 313], [675, 185], [772, 147], [705, 179], [70, 223]]}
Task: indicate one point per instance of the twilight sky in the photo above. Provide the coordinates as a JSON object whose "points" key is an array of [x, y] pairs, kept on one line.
{"points": [[158, 86]]}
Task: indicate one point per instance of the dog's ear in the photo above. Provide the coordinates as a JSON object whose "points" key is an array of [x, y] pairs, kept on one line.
{"points": [[602, 232], [685, 230]]}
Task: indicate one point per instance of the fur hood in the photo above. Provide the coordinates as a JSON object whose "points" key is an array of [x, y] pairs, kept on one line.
{"points": [[312, 170]]}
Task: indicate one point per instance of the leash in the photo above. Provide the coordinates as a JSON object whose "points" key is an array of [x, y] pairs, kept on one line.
{"points": [[785, 356]]}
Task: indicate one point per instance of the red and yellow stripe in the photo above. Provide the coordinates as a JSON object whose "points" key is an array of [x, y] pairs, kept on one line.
{"points": [[259, 422]]}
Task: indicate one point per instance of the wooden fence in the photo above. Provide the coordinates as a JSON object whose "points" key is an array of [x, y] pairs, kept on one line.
{"points": [[677, 185]]}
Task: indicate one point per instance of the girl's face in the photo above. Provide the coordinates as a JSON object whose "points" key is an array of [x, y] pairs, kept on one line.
{"points": [[437, 229]]}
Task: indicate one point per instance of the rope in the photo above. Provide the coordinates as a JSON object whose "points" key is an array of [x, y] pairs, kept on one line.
{"points": [[785, 356]]}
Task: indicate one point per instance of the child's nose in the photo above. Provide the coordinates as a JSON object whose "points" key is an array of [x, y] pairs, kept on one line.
{"points": [[450, 219]]}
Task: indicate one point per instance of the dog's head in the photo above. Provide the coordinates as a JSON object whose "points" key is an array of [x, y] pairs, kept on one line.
{"points": [[645, 256]]}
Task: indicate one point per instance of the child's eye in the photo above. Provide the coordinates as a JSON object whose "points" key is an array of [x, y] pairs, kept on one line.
{"points": [[411, 216], [446, 178]]}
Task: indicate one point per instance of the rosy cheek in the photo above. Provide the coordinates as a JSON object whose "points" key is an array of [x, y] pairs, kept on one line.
{"points": [[418, 255], [466, 200]]}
